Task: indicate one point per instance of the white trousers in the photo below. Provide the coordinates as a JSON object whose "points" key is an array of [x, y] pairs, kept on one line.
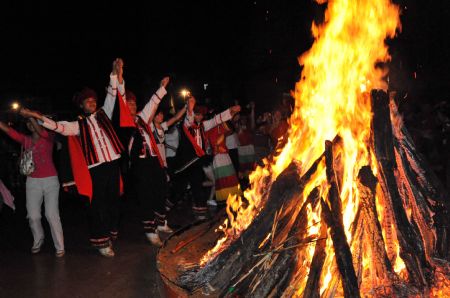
{"points": [[47, 190]]}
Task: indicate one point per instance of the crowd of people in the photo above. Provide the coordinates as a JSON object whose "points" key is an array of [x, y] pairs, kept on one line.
{"points": [[159, 155]]}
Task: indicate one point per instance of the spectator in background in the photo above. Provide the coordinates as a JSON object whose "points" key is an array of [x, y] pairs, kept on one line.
{"points": [[41, 186], [261, 138], [279, 129], [246, 148]]}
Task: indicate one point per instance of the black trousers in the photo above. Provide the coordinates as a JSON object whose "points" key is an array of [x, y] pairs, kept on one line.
{"points": [[171, 166], [193, 175], [152, 189], [234, 155], [103, 212]]}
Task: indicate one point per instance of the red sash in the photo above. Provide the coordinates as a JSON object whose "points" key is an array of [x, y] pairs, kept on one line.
{"points": [[198, 150], [153, 144], [80, 170], [125, 116]]}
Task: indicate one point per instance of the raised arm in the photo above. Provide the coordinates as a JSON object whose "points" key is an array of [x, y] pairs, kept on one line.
{"points": [[63, 127], [221, 118], [177, 117], [149, 110], [116, 83], [12, 133]]}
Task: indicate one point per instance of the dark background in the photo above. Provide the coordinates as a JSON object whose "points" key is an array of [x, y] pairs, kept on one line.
{"points": [[244, 50]]}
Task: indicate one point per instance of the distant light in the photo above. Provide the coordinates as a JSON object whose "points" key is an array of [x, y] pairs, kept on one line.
{"points": [[205, 86], [15, 106], [185, 93]]}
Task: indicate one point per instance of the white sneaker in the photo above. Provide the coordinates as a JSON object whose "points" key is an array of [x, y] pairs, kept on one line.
{"points": [[165, 228], [154, 239], [211, 203], [106, 252]]}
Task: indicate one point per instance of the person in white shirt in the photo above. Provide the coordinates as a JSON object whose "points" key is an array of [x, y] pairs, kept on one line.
{"points": [[94, 151], [172, 142]]}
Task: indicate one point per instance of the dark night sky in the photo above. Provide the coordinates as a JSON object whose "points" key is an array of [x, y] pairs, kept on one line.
{"points": [[243, 49]]}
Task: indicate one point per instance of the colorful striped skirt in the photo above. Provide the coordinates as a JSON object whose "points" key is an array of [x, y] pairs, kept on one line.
{"points": [[225, 176], [246, 158]]}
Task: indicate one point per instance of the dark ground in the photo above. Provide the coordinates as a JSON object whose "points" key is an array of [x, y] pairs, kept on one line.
{"points": [[82, 272]]}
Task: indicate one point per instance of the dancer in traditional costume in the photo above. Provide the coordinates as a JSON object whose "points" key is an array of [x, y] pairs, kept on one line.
{"points": [[94, 149], [191, 153], [148, 161], [226, 181]]}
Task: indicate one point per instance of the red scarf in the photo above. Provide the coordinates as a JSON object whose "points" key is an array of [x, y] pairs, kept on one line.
{"points": [[198, 150], [153, 144], [125, 116], [80, 170]]}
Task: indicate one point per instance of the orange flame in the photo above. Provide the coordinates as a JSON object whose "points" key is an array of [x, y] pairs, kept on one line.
{"points": [[331, 99]]}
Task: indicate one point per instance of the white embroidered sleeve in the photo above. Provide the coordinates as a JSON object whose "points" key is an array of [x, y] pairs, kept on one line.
{"points": [[63, 127]]}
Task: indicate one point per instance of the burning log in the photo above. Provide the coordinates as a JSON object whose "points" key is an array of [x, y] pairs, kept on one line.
{"points": [[217, 274], [427, 193], [332, 212], [312, 288], [272, 281], [411, 244], [381, 268]]}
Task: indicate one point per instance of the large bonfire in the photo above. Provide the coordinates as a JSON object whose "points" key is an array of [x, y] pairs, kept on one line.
{"points": [[333, 102], [332, 98]]}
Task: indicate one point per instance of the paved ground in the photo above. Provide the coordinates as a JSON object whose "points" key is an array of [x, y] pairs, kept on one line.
{"points": [[82, 272]]}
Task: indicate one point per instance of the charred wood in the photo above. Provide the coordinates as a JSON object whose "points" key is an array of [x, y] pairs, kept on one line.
{"points": [[270, 282], [217, 274], [381, 266], [425, 184], [312, 288], [411, 244]]}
